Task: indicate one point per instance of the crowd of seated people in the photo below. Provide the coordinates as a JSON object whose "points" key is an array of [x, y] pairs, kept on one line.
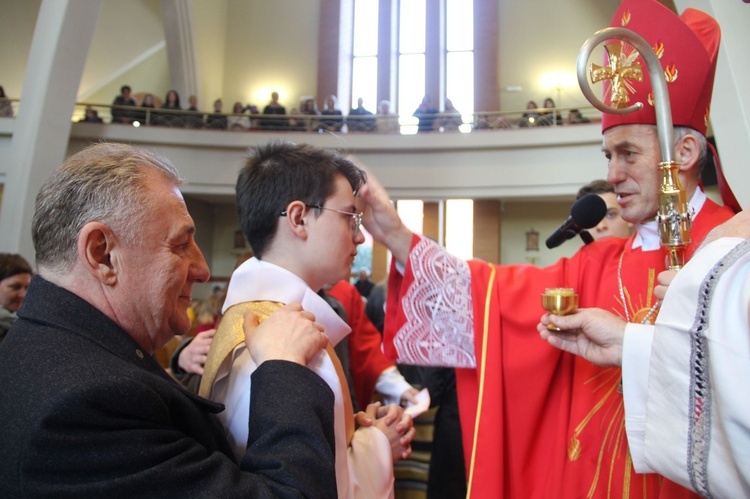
{"points": [[148, 110]]}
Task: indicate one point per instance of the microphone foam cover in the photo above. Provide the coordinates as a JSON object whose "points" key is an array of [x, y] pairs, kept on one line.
{"points": [[588, 211]]}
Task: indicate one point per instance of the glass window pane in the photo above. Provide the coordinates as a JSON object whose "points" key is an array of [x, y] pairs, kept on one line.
{"points": [[411, 83], [460, 25], [365, 27], [459, 228], [460, 82], [365, 82], [411, 212], [412, 20]]}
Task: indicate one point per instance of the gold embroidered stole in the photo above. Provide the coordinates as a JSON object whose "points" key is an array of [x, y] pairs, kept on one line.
{"points": [[230, 334]]}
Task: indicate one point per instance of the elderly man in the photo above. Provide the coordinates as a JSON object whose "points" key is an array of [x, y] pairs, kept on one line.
{"points": [[86, 410], [538, 422]]}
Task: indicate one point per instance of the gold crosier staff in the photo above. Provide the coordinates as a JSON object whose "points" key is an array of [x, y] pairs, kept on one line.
{"points": [[673, 217]]}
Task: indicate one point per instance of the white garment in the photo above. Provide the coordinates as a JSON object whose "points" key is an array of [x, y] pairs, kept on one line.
{"points": [[699, 439], [364, 469]]}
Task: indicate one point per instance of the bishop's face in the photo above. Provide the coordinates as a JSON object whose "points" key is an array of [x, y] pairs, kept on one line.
{"points": [[633, 154]]}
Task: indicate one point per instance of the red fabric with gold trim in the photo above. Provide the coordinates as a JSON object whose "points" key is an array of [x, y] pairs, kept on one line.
{"points": [[538, 422], [687, 46], [366, 359]]}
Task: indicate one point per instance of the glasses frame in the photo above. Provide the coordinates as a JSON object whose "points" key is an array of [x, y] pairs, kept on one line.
{"points": [[356, 218]]}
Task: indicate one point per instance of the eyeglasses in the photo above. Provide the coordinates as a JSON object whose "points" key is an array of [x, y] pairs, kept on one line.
{"points": [[355, 219]]}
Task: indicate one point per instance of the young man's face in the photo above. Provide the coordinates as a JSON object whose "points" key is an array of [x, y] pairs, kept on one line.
{"points": [[332, 243], [612, 225]]}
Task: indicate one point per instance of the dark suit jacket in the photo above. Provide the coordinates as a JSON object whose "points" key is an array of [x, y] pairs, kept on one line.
{"points": [[85, 412]]}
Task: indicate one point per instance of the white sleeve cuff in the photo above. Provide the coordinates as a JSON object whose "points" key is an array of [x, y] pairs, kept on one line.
{"points": [[636, 358], [391, 384]]}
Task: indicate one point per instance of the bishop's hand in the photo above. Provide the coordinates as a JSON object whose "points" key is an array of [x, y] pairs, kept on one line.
{"points": [[593, 333]]}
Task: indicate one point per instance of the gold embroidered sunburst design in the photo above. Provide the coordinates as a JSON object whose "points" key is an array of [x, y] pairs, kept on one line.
{"points": [[607, 383], [621, 69]]}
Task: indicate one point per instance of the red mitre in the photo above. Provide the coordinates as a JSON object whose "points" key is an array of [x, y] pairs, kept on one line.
{"points": [[687, 46]]}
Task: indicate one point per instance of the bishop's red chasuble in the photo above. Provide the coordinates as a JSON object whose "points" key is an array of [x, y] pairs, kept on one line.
{"points": [[537, 422], [366, 359]]}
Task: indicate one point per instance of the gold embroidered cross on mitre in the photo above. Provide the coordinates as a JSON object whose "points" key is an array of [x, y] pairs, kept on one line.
{"points": [[621, 69]]}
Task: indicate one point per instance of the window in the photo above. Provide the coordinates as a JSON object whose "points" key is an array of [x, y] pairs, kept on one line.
{"points": [[365, 54], [416, 29], [459, 57]]}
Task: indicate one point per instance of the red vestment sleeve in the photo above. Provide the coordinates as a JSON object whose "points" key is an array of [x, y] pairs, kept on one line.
{"points": [[537, 422], [366, 359]]}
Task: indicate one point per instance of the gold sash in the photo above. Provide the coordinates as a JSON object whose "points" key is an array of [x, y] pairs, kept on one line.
{"points": [[230, 334]]}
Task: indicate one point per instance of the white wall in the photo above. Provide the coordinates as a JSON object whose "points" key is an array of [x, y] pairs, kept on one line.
{"points": [[538, 37], [271, 46]]}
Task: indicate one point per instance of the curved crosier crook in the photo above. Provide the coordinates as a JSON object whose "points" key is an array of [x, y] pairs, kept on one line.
{"points": [[673, 216]]}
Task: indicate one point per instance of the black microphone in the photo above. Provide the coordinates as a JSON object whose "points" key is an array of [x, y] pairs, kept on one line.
{"points": [[586, 213]]}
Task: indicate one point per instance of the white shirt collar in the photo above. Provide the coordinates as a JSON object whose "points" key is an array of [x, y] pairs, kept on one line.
{"points": [[256, 280], [647, 233]]}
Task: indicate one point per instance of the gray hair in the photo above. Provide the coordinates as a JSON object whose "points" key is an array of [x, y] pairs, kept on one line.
{"points": [[102, 183], [680, 132]]}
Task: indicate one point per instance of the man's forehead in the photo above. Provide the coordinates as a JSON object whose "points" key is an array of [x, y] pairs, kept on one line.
{"points": [[629, 134]]}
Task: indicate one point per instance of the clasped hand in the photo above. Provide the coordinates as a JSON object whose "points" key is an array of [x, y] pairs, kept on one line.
{"points": [[394, 423]]}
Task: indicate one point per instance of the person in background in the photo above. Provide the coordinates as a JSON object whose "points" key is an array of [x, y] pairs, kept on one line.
{"points": [[331, 109], [87, 411], [364, 284], [386, 121], [369, 369], [170, 117], [193, 119], [273, 108], [238, 120], [218, 119], [90, 115], [425, 113], [612, 225], [122, 101], [309, 108], [552, 117], [530, 117], [296, 207], [15, 275], [575, 116], [6, 106], [363, 120], [145, 114], [450, 118]]}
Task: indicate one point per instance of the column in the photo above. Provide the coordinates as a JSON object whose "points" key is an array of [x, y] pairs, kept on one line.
{"points": [[62, 36]]}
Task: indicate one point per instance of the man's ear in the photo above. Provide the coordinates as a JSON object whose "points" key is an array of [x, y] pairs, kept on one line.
{"points": [[296, 212], [688, 152], [95, 244]]}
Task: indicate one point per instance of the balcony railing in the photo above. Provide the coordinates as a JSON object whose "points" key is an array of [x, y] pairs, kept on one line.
{"points": [[388, 124]]}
